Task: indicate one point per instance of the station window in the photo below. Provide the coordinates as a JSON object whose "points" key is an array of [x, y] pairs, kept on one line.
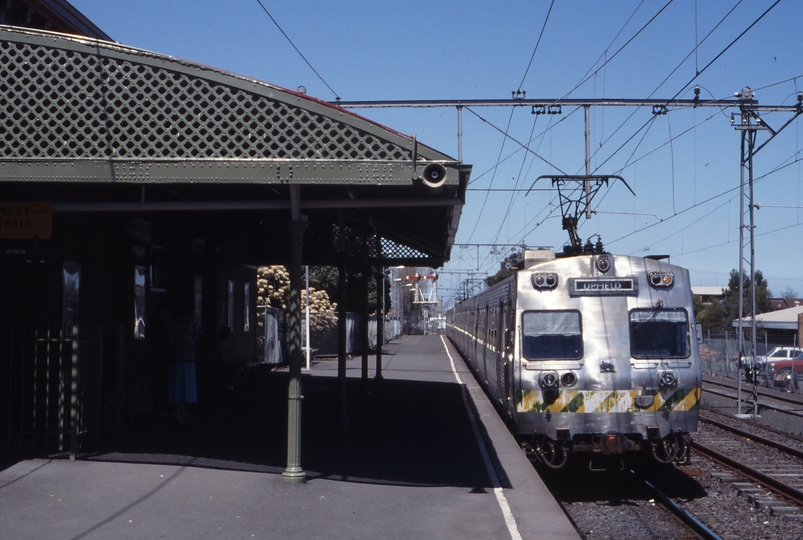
{"points": [[72, 288], [230, 310], [139, 301], [247, 304], [551, 335], [199, 296], [659, 333]]}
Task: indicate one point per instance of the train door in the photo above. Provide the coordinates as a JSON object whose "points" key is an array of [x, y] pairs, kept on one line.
{"points": [[508, 351], [475, 329], [499, 353], [485, 339]]}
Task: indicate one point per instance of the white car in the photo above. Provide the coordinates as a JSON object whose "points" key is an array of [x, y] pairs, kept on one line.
{"points": [[777, 354]]}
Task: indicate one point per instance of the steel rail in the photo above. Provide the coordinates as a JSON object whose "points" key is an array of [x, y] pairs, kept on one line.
{"points": [[755, 424], [689, 520], [761, 405], [755, 437], [764, 405], [776, 485], [788, 399]]}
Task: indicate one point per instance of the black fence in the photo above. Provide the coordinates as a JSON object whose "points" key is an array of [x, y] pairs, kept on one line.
{"points": [[51, 382], [719, 354]]}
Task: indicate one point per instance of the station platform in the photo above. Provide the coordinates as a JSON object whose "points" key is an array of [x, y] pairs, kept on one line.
{"points": [[424, 455]]}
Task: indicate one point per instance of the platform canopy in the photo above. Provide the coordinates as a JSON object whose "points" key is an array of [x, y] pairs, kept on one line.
{"points": [[94, 126]]}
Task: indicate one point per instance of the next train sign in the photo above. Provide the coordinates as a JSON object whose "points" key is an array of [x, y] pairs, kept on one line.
{"points": [[26, 220], [603, 286], [25, 231]]}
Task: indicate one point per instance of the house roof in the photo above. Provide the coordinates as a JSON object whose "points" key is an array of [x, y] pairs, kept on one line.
{"points": [[783, 319], [783, 303], [707, 291]]}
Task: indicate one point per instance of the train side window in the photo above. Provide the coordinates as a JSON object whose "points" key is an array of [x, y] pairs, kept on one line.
{"points": [[549, 335], [659, 333]]}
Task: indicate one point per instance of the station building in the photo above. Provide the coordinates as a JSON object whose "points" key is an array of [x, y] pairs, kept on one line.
{"points": [[132, 181]]}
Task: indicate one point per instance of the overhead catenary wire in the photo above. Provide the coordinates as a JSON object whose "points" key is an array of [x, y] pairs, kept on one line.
{"points": [[510, 120], [638, 154], [701, 203], [584, 79], [290, 41], [605, 63], [493, 176], [677, 67], [697, 73], [538, 42], [723, 51]]}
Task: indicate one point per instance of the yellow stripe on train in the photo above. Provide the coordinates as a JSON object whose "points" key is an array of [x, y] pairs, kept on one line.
{"points": [[606, 401]]}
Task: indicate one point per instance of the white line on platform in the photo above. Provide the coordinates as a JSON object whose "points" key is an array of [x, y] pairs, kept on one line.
{"points": [[510, 520]]}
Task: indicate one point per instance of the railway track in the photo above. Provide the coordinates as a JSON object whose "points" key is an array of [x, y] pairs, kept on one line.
{"points": [[745, 481], [622, 505], [768, 399], [689, 520], [771, 463]]}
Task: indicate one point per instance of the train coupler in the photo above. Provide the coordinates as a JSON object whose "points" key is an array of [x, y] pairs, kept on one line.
{"points": [[610, 444]]}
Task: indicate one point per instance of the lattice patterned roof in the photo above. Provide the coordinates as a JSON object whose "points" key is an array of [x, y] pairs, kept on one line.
{"points": [[67, 98], [78, 112]]}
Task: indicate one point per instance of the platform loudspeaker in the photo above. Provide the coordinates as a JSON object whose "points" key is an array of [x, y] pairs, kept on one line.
{"points": [[434, 177]]}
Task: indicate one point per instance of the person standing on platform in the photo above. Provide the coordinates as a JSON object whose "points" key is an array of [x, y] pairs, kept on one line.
{"points": [[183, 334]]}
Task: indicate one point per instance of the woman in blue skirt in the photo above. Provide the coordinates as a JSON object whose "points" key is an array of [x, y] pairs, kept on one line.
{"points": [[183, 334]]}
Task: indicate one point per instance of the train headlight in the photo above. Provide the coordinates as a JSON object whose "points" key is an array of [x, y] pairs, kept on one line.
{"points": [[661, 280], [545, 281], [568, 379], [667, 379], [548, 379], [603, 264]]}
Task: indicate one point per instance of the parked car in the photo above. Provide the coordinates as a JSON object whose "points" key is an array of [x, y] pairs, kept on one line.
{"points": [[777, 354], [782, 370], [764, 363]]}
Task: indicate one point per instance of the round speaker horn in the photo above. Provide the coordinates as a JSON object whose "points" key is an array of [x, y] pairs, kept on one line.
{"points": [[434, 177]]}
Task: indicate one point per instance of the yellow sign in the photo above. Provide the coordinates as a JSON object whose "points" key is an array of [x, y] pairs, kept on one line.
{"points": [[26, 220]]}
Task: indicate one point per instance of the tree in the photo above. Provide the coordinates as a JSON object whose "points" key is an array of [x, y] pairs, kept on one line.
{"points": [[789, 293], [327, 278], [731, 300], [718, 316], [273, 288], [713, 316]]}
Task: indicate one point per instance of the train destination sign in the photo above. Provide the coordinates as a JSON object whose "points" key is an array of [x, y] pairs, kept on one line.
{"points": [[603, 286]]}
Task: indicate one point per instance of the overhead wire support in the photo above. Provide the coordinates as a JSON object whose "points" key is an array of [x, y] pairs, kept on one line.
{"points": [[552, 106], [542, 103], [750, 122]]}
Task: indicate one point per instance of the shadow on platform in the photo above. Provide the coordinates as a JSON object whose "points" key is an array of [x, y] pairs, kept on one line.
{"points": [[400, 432]]}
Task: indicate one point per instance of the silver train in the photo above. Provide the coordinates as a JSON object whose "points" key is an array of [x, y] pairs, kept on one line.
{"points": [[593, 353]]}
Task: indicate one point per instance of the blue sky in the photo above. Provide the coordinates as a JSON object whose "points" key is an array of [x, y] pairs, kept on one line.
{"points": [[683, 167]]}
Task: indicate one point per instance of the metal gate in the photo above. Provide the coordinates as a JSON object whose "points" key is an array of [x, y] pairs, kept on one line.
{"points": [[50, 381]]}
